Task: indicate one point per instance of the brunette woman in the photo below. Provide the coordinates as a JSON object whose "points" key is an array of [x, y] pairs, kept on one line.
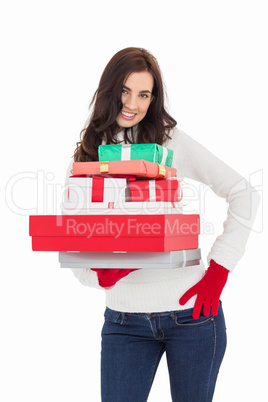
{"points": [[173, 311]]}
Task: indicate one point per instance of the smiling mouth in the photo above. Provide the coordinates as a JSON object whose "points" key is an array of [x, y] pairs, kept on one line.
{"points": [[128, 116]]}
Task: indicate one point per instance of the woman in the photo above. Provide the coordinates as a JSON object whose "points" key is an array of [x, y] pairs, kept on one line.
{"points": [[177, 311]]}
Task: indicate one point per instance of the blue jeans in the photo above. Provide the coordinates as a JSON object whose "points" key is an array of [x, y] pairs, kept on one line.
{"points": [[133, 344]]}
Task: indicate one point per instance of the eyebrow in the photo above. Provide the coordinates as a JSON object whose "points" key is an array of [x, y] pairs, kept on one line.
{"points": [[141, 92]]}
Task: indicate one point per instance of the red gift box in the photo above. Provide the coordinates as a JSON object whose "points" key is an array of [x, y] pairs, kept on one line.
{"points": [[136, 168], [136, 233], [155, 190]]}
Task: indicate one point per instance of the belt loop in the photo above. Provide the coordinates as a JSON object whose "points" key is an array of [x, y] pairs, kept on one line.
{"points": [[123, 318]]}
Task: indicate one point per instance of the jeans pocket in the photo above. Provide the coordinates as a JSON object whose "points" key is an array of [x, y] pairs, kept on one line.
{"points": [[112, 317], [187, 321]]}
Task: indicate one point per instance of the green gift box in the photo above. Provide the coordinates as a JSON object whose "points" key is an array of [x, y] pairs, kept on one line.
{"points": [[124, 152]]}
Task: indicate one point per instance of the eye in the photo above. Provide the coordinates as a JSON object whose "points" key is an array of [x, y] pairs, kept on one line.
{"points": [[124, 91], [144, 96]]}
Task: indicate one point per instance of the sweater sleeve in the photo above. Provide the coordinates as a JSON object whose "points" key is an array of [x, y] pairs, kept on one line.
{"points": [[84, 275], [194, 161]]}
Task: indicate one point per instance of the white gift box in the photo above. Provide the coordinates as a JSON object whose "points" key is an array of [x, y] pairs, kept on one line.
{"points": [[122, 208], [152, 260], [97, 189]]}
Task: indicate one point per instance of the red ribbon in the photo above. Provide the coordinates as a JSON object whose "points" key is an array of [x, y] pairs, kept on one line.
{"points": [[97, 189]]}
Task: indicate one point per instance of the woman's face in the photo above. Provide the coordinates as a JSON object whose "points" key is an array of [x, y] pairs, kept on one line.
{"points": [[136, 98]]}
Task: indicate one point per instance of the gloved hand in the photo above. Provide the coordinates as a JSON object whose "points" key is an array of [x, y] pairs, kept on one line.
{"points": [[108, 277], [208, 290]]}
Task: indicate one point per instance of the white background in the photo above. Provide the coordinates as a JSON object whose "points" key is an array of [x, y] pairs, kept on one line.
{"points": [[213, 55]]}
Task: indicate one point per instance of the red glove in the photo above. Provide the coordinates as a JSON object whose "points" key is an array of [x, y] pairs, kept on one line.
{"points": [[109, 277], [208, 290]]}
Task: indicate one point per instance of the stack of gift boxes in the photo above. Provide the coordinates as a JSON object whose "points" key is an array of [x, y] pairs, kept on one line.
{"points": [[123, 211]]}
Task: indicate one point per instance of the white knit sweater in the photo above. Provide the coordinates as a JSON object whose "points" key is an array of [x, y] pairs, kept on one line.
{"points": [[156, 290]]}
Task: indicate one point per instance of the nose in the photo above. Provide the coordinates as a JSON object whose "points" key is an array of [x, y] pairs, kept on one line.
{"points": [[130, 102]]}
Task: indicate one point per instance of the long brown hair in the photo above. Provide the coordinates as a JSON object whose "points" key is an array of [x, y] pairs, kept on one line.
{"points": [[153, 128]]}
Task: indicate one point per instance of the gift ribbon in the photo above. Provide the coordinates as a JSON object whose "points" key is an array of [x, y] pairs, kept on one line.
{"points": [[162, 171], [125, 152], [104, 167], [164, 156], [97, 189], [152, 192], [184, 257]]}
